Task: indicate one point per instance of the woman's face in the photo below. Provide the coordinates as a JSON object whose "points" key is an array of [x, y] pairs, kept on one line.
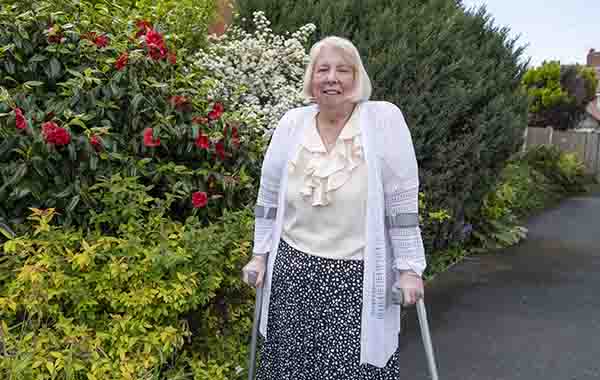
{"points": [[333, 77]]}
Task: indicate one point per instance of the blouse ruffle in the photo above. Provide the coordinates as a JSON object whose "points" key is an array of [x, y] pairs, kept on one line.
{"points": [[326, 172]]}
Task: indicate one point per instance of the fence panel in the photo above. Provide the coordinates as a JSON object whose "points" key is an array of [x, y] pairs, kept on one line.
{"points": [[585, 144]]}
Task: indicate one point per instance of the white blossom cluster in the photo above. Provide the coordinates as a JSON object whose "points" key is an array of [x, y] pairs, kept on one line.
{"points": [[257, 75]]}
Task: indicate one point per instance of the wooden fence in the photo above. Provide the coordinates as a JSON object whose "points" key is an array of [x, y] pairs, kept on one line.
{"points": [[584, 143]]}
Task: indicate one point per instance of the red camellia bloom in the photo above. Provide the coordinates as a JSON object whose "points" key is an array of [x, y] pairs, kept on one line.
{"points": [[220, 149], [122, 61], [235, 137], [216, 112], [199, 199], [156, 45], [202, 141], [96, 142], [149, 139], [55, 135], [101, 41], [143, 27], [20, 121]]}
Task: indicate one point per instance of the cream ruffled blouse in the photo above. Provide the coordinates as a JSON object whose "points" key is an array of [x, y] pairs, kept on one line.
{"points": [[327, 194]]}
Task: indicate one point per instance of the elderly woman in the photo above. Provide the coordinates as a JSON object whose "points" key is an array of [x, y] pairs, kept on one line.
{"points": [[336, 228]]}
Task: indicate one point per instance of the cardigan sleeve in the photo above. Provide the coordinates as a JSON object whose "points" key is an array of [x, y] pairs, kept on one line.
{"points": [[401, 192], [273, 164]]}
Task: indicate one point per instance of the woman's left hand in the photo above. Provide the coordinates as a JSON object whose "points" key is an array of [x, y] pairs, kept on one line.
{"points": [[411, 285]]}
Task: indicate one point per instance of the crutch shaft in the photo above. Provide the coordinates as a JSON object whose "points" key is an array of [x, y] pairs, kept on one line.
{"points": [[398, 298], [255, 327], [426, 336]]}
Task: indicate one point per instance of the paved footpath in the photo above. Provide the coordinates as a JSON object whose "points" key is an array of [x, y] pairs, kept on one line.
{"points": [[530, 312]]}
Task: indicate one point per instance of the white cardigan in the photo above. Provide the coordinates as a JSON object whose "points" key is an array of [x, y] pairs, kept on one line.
{"points": [[392, 231]]}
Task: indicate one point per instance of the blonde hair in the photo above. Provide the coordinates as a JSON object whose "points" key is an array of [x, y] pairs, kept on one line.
{"points": [[362, 89]]}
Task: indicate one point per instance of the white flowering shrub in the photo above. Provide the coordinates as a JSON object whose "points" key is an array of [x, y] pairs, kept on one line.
{"points": [[259, 75]]}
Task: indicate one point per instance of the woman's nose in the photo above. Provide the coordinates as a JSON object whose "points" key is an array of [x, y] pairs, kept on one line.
{"points": [[331, 76]]}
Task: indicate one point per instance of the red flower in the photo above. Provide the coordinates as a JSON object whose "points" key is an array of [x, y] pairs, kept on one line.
{"points": [[122, 61], [216, 112], [220, 149], [156, 45], [143, 27], [180, 102], [202, 141], [199, 120], [101, 41], [54, 35], [55, 39], [149, 139], [55, 135], [96, 142], [20, 121], [172, 58], [199, 199], [235, 137]]}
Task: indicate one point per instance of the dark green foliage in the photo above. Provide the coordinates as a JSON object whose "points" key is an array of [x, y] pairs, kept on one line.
{"points": [[455, 75], [52, 70], [558, 94]]}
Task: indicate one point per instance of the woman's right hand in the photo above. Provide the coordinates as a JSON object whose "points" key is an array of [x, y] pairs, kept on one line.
{"points": [[253, 273]]}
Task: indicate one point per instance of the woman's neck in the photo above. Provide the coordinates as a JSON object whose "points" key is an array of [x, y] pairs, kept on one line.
{"points": [[335, 117]]}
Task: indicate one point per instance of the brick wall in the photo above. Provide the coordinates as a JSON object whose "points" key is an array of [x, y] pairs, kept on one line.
{"points": [[593, 60], [224, 16]]}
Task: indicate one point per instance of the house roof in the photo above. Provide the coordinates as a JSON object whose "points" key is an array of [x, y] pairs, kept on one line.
{"points": [[594, 109]]}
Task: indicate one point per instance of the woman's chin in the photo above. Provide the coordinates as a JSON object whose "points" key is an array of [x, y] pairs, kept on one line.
{"points": [[332, 101]]}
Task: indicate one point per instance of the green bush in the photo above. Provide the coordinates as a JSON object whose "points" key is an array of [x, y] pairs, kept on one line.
{"points": [[155, 299], [78, 102], [455, 75], [558, 94], [530, 182]]}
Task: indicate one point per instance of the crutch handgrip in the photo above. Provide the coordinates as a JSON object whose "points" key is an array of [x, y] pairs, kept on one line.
{"points": [[252, 278], [398, 298]]}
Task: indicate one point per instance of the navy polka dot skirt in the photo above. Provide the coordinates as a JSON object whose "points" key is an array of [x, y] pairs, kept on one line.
{"points": [[313, 331]]}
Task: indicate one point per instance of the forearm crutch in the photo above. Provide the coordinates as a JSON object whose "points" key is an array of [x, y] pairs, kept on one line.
{"points": [[398, 298], [252, 277]]}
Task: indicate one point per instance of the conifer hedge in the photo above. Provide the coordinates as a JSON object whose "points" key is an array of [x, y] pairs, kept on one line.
{"points": [[454, 73]]}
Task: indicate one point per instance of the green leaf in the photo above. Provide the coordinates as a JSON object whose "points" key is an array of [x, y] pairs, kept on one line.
{"points": [[72, 152], [93, 162], [66, 192], [37, 58], [33, 83], [77, 121], [136, 101], [6, 231], [71, 206], [19, 174], [55, 68]]}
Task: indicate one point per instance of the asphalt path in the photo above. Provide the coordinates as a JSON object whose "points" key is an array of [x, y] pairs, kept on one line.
{"points": [[530, 312]]}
